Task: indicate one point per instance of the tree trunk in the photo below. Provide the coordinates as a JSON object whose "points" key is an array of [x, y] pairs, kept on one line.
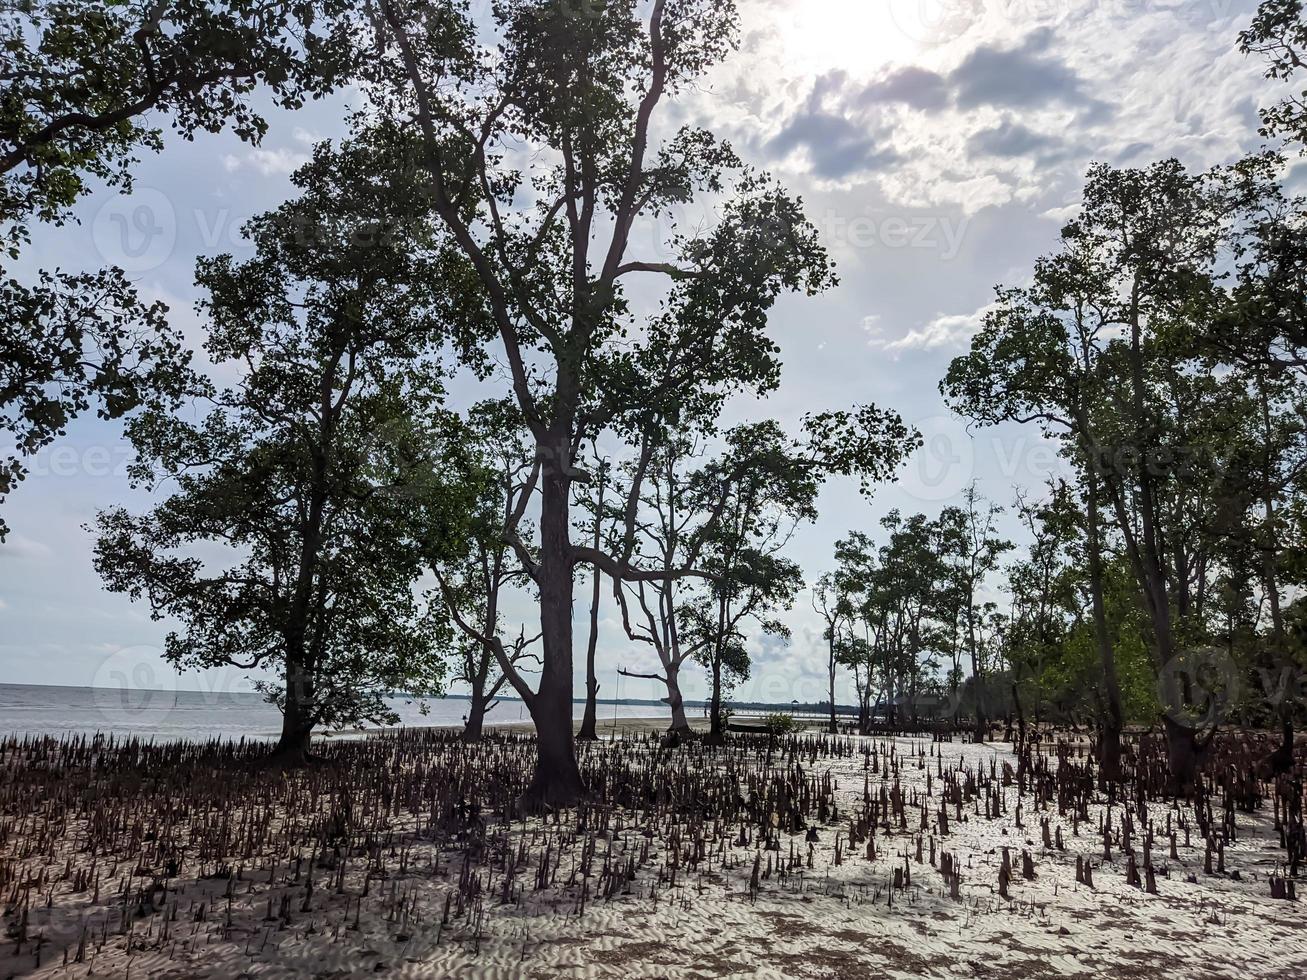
{"points": [[977, 680], [476, 716], [1270, 546], [1182, 747], [982, 722], [863, 697], [1281, 760], [589, 719], [1109, 761], [680, 725], [716, 734], [557, 779], [292, 749], [1109, 751], [834, 722], [297, 721], [1184, 755], [588, 732]]}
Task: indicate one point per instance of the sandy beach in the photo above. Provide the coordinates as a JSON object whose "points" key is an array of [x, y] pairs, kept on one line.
{"points": [[812, 857]]}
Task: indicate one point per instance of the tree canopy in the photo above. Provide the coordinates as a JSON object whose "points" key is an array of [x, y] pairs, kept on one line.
{"points": [[328, 477]]}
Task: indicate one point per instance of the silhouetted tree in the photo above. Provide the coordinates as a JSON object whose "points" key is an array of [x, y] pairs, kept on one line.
{"points": [[312, 495], [580, 84]]}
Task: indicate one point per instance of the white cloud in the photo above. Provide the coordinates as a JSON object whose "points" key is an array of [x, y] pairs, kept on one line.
{"points": [[1063, 214], [20, 548], [1121, 83], [267, 162], [947, 330]]}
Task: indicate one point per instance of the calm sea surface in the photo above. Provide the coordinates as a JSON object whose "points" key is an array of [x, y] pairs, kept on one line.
{"points": [[169, 715]]}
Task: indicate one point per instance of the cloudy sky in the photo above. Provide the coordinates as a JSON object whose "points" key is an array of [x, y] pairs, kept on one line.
{"points": [[938, 144]]}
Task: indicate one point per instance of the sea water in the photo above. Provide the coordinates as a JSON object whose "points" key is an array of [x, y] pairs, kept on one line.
{"points": [[29, 709]]}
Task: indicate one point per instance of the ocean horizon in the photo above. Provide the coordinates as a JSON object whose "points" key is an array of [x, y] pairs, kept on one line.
{"points": [[160, 715]]}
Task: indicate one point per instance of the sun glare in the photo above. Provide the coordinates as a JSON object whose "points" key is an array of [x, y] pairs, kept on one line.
{"points": [[856, 36]]}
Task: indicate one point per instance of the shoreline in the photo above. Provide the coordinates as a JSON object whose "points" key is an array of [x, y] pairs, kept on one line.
{"points": [[651, 724]]}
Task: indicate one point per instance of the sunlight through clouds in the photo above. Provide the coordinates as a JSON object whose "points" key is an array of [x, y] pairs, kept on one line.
{"points": [[856, 36]]}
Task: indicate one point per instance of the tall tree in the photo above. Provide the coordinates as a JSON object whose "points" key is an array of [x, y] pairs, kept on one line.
{"points": [[1258, 329], [750, 582], [602, 516], [858, 655], [856, 570], [833, 608], [80, 88], [972, 547], [913, 586], [897, 593], [766, 484], [580, 85], [1255, 334], [679, 508], [1043, 590], [474, 584], [1038, 359], [1279, 34], [310, 498], [1097, 351]]}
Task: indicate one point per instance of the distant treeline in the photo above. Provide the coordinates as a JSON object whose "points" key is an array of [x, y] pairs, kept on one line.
{"points": [[819, 707]]}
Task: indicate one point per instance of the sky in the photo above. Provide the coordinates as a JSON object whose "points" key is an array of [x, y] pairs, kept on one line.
{"points": [[939, 146]]}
